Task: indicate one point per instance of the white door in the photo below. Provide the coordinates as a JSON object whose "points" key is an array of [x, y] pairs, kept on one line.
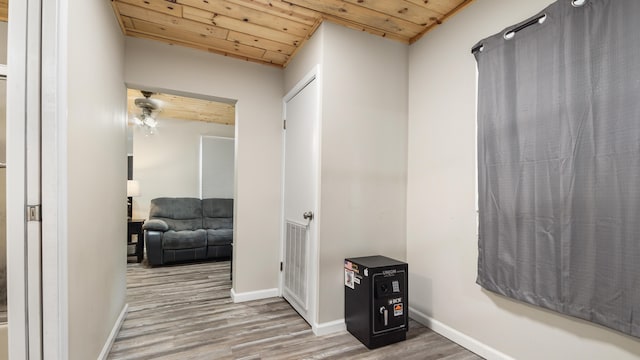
{"points": [[301, 109]]}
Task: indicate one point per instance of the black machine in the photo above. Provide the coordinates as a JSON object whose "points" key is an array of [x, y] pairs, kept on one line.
{"points": [[376, 300]]}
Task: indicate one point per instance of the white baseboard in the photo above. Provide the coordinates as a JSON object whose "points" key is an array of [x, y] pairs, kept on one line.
{"points": [[329, 327], [456, 336], [114, 332], [253, 295]]}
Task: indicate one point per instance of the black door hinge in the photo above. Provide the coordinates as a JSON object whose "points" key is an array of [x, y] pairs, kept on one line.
{"points": [[284, 124], [280, 265]]}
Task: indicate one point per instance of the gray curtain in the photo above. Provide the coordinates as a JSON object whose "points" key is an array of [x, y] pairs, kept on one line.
{"points": [[559, 162]]}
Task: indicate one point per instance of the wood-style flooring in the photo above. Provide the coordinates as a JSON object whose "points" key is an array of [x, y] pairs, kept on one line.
{"points": [[185, 312]]}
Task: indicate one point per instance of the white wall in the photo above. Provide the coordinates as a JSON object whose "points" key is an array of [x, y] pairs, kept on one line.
{"points": [[441, 217], [167, 164], [217, 167], [363, 151], [259, 91], [306, 58], [96, 171]]}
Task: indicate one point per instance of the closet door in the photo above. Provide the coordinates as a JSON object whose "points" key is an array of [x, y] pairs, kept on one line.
{"points": [[300, 196]]}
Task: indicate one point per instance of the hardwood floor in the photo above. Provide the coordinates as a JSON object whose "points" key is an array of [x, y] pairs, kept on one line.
{"points": [[185, 312]]}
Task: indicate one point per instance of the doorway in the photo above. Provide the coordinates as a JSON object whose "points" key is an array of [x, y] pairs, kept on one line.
{"points": [[169, 152]]}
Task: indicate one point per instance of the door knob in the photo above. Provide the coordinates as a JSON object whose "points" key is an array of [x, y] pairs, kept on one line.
{"points": [[308, 215]]}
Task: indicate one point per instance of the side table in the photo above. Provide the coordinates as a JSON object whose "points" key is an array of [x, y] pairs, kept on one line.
{"points": [[134, 227]]}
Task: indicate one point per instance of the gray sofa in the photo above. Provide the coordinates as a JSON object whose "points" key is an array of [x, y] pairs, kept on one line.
{"points": [[186, 229]]}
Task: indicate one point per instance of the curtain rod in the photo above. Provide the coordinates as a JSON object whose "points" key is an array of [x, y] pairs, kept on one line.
{"points": [[509, 34]]}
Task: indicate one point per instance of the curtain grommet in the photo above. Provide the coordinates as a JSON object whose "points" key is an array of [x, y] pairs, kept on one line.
{"points": [[578, 3]]}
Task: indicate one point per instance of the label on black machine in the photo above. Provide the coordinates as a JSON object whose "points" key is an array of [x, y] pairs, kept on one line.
{"points": [[398, 310], [395, 301]]}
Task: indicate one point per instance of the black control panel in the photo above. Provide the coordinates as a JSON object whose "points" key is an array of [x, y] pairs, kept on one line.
{"points": [[389, 300]]}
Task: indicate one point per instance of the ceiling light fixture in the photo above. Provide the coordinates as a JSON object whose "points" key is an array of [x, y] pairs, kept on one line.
{"points": [[146, 120]]}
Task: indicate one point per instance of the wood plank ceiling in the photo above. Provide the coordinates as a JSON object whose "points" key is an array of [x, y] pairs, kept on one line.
{"points": [[184, 108], [271, 31], [4, 10]]}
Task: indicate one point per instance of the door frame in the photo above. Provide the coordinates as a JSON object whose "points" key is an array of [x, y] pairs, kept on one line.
{"points": [[36, 92], [313, 276], [55, 309], [23, 245]]}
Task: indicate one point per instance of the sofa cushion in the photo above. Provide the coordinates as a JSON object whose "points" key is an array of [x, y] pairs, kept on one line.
{"points": [[219, 237], [185, 239], [217, 213], [218, 223], [179, 213]]}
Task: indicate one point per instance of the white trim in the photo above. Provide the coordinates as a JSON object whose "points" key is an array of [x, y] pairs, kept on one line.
{"points": [[114, 333], [458, 337], [329, 327], [55, 311], [253, 295], [23, 104]]}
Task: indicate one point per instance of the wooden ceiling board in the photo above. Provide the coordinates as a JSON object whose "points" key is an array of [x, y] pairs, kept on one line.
{"points": [[441, 7], [4, 10], [162, 19], [400, 9], [266, 44], [282, 9], [176, 33], [461, 5], [225, 22], [185, 108], [165, 7], [127, 22], [362, 15], [272, 31], [249, 15]]}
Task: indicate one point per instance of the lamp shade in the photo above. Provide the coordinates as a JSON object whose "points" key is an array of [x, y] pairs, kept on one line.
{"points": [[133, 188]]}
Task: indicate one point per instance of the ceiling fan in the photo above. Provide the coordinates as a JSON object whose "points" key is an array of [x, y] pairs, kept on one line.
{"points": [[147, 106]]}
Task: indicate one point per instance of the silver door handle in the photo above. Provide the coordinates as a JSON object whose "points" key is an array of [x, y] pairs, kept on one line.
{"points": [[308, 215], [385, 315]]}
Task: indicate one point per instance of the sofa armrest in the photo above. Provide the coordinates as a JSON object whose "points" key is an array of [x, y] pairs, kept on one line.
{"points": [[153, 241], [156, 225]]}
